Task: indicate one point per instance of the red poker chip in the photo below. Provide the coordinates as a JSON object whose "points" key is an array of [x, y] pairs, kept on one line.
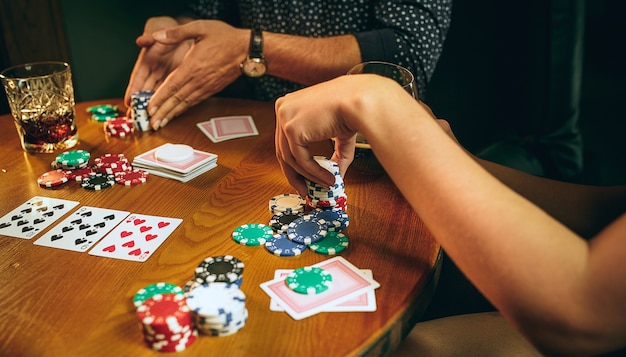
{"points": [[157, 312], [108, 159], [119, 127], [79, 174], [114, 167], [131, 178], [52, 178]]}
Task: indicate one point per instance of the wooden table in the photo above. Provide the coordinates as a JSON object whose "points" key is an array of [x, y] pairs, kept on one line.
{"points": [[55, 302]]}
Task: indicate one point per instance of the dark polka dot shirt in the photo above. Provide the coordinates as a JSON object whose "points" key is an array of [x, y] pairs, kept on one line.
{"points": [[409, 33]]}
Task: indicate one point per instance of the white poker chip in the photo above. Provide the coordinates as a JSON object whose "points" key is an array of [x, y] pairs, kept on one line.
{"points": [[287, 202], [174, 153]]}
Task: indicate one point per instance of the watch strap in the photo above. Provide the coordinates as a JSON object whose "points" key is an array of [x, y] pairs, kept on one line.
{"points": [[256, 44]]}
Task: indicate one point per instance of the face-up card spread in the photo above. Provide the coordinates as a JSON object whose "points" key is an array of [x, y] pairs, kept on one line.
{"points": [[82, 229], [33, 216], [364, 302], [228, 127], [347, 283], [136, 238], [176, 161]]}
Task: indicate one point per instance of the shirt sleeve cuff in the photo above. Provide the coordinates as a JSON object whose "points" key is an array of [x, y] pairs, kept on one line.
{"points": [[377, 45]]}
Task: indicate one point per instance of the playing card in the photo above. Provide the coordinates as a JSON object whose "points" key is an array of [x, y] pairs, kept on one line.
{"points": [[33, 216], [181, 178], [82, 229], [347, 283], [228, 127], [363, 302], [207, 128], [136, 238], [199, 158]]}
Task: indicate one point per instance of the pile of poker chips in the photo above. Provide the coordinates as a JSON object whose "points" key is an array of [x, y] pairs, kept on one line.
{"points": [[319, 196], [218, 308], [215, 298], [103, 112], [119, 127], [296, 224], [139, 110], [165, 318], [107, 170]]}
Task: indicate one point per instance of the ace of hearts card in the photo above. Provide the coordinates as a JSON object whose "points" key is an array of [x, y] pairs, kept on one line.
{"points": [[136, 238]]}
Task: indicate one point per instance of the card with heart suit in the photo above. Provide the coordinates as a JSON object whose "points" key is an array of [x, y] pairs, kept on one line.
{"points": [[364, 302], [136, 238], [33, 216], [228, 127], [348, 282], [82, 229]]}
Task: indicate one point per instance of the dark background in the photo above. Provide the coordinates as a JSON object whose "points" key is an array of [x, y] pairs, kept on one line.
{"points": [[475, 84]]}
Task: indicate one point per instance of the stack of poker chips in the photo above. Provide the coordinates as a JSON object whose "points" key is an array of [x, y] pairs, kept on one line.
{"points": [[165, 319], [103, 112], [107, 170], [221, 268], [120, 127], [319, 196], [139, 110], [218, 308]]}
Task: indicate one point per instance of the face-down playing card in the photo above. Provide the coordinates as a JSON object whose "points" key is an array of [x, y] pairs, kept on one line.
{"points": [[136, 238], [347, 283], [82, 229], [34, 216]]}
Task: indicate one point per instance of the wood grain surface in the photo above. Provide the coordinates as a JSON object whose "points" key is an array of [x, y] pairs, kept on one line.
{"points": [[60, 303]]}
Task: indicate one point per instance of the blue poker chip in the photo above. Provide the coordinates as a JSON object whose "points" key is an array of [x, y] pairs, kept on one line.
{"points": [[282, 246], [336, 218], [307, 230]]}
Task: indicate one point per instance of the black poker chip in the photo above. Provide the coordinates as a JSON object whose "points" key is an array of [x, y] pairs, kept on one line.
{"points": [[98, 182]]}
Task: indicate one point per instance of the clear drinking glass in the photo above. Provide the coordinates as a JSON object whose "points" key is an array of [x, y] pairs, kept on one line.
{"points": [[41, 98], [364, 159]]}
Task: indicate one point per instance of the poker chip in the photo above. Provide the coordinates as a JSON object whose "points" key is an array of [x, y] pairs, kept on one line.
{"points": [[160, 288], [111, 163], [319, 196], [119, 127], [166, 322], [280, 221], [282, 246], [139, 110], [52, 178], [73, 158], [218, 309], [287, 202], [131, 178], [79, 174], [252, 234], [103, 112], [309, 280], [333, 243], [174, 153], [336, 218], [307, 230], [223, 268], [98, 181]]}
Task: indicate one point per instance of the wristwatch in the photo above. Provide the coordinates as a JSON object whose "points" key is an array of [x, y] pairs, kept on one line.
{"points": [[254, 65]]}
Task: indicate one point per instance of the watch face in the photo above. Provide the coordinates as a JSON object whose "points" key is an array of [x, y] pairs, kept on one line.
{"points": [[253, 67]]}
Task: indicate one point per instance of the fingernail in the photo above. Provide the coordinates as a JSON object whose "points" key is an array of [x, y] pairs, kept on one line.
{"points": [[156, 125], [160, 35], [164, 122], [153, 110]]}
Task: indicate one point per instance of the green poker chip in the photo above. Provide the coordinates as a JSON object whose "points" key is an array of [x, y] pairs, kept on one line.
{"points": [[73, 158], [252, 234], [333, 243], [155, 289], [102, 109], [309, 280]]}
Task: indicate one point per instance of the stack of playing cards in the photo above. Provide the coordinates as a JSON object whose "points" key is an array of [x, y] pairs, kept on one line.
{"points": [[176, 161], [352, 289], [230, 127]]}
